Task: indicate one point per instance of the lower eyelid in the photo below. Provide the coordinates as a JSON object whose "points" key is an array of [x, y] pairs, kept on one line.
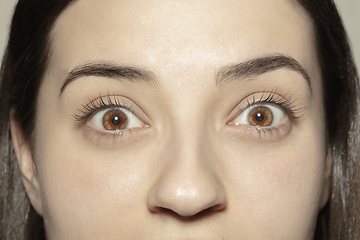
{"points": [[103, 137], [262, 134]]}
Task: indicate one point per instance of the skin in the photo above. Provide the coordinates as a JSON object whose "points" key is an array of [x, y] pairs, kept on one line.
{"points": [[188, 171]]}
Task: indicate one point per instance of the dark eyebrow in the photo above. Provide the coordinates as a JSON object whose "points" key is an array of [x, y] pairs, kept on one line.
{"points": [[259, 66], [109, 70]]}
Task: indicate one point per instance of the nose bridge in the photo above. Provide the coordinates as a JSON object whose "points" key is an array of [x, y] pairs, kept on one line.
{"points": [[188, 184]]}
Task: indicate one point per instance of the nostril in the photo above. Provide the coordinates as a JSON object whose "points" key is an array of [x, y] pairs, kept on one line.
{"points": [[187, 199], [162, 210], [201, 213], [218, 207], [186, 193]]}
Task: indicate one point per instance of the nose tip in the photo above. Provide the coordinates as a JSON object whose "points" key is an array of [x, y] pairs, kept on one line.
{"points": [[188, 178], [187, 197]]}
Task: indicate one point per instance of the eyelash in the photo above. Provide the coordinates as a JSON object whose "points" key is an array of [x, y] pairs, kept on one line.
{"points": [[99, 104], [285, 103]]}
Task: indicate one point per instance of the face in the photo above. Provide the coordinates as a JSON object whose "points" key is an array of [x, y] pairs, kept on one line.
{"points": [[180, 120]]}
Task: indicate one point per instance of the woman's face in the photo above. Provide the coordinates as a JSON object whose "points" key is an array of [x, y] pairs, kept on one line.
{"points": [[181, 120]]}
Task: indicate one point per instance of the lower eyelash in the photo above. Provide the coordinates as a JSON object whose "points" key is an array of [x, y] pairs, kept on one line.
{"points": [[268, 133], [108, 137], [266, 130]]}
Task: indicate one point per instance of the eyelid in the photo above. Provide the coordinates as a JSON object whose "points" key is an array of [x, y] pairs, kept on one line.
{"points": [[100, 103], [132, 120], [275, 111], [103, 137], [286, 103]]}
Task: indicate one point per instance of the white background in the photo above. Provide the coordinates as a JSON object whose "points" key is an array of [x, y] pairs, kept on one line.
{"points": [[349, 10]]}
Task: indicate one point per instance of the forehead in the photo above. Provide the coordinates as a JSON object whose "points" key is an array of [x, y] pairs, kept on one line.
{"points": [[184, 34]]}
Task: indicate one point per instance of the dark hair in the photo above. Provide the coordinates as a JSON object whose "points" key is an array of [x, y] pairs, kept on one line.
{"points": [[22, 70], [340, 218], [25, 62]]}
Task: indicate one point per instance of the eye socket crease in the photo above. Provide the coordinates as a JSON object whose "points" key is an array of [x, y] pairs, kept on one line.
{"points": [[248, 69]]}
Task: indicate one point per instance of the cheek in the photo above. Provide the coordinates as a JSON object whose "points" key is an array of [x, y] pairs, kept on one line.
{"points": [[85, 189], [277, 186]]}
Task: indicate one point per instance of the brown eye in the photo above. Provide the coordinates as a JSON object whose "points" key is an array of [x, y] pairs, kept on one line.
{"points": [[261, 116], [114, 120]]}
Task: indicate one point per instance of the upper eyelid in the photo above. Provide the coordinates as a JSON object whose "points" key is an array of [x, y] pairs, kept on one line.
{"points": [[286, 103], [98, 104], [266, 98]]}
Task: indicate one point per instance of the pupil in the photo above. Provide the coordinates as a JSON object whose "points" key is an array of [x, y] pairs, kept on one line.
{"points": [[259, 117], [116, 121]]}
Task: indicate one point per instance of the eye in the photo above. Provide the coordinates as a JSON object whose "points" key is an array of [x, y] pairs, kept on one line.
{"points": [[260, 115], [115, 119]]}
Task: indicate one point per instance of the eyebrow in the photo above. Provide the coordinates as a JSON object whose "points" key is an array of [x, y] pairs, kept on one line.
{"points": [[248, 69], [109, 70], [260, 66]]}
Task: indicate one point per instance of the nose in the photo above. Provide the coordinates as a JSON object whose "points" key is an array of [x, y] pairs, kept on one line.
{"points": [[188, 184]]}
